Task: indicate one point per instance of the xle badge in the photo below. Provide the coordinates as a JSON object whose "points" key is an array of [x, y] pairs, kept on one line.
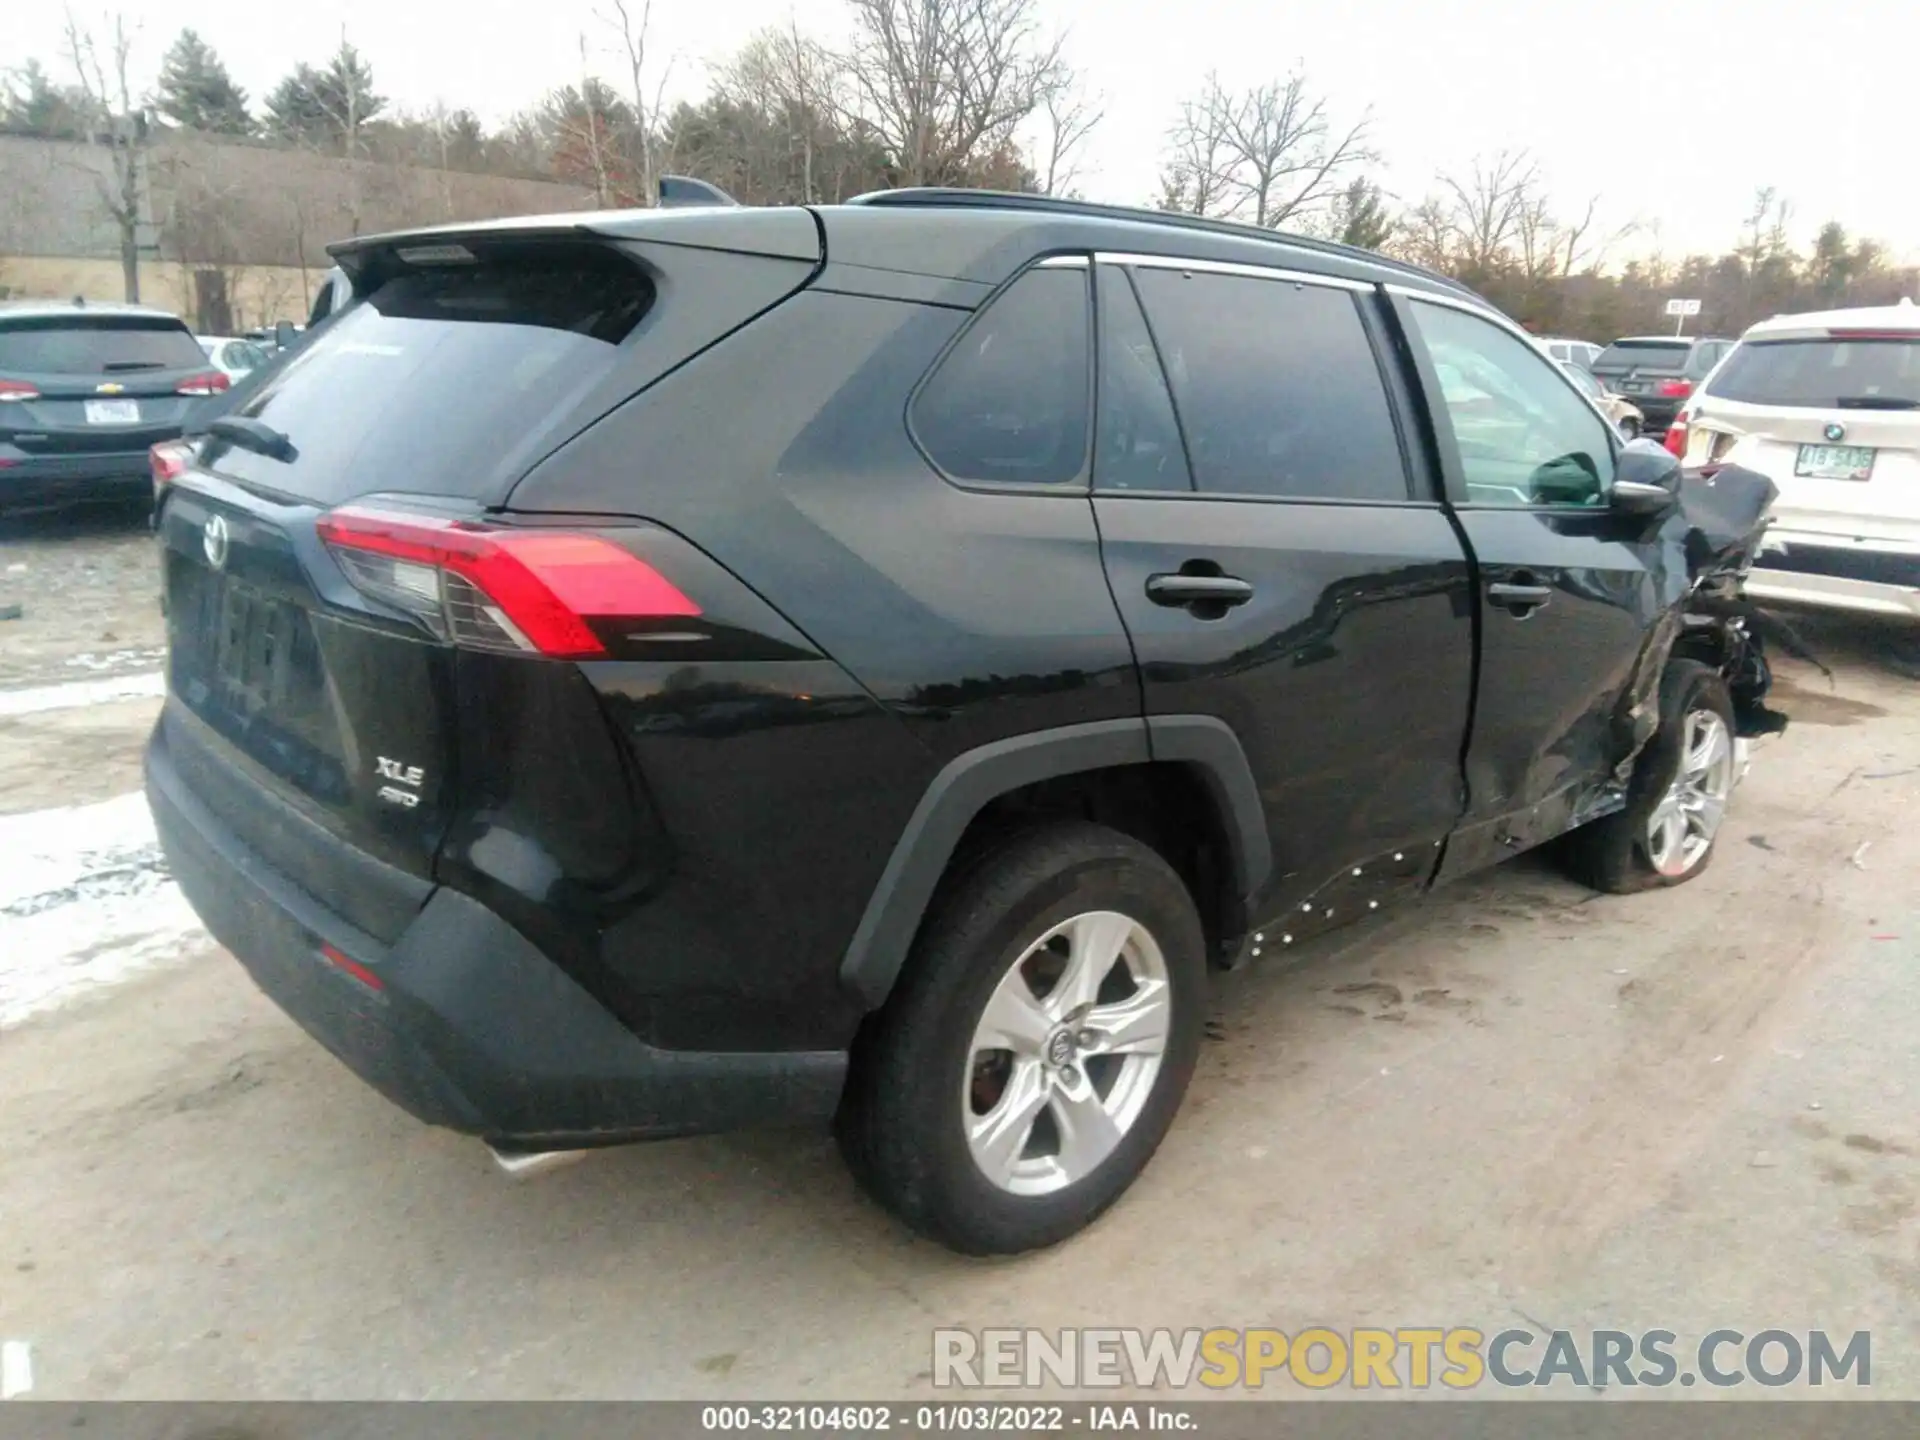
{"points": [[409, 776]]}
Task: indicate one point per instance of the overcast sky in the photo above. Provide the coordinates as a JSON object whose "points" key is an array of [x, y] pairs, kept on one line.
{"points": [[1673, 111]]}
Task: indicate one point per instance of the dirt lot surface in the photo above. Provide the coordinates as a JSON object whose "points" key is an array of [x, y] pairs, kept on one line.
{"points": [[1516, 1103]]}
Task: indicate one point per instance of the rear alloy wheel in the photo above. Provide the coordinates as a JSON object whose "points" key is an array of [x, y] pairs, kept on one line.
{"points": [[1067, 1053], [1677, 798], [1037, 1045]]}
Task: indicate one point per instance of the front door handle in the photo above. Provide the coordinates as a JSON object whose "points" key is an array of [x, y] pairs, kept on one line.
{"points": [[1198, 591], [1520, 599]]}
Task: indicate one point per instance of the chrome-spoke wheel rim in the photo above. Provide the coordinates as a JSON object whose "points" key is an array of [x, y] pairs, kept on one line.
{"points": [[1683, 824], [1066, 1052]]}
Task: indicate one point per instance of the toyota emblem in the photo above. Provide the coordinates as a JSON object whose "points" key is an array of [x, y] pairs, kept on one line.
{"points": [[1835, 431], [213, 541]]}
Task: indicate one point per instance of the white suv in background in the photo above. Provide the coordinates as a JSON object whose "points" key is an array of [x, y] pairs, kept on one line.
{"points": [[1828, 406]]}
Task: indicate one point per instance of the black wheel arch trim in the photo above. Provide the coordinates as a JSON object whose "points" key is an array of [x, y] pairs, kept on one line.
{"points": [[970, 781]]}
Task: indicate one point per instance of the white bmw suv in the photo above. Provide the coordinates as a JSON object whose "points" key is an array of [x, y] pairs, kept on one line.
{"points": [[1828, 406]]}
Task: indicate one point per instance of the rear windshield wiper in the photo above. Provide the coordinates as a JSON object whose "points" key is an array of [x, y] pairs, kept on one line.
{"points": [[254, 435], [1876, 402]]}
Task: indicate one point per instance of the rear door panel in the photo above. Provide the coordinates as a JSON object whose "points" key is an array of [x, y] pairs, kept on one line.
{"points": [[1347, 672]]}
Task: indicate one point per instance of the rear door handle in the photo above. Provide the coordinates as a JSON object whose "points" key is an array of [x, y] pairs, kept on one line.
{"points": [[1520, 599], [1195, 590]]}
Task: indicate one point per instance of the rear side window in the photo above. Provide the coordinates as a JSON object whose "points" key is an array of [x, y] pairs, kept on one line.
{"points": [[96, 345], [1276, 386], [442, 369], [1647, 354], [1137, 442], [1008, 403], [1823, 374]]}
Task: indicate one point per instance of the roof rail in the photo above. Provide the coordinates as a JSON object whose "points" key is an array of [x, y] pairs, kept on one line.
{"points": [[938, 196]]}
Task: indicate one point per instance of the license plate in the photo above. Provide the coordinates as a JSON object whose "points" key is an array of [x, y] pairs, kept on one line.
{"points": [[1631, 387], [113, 412], [1834, 462]]}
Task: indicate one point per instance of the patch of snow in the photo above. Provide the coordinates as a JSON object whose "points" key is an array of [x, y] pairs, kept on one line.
{"points": [[40, 698], [85, 902], [142, 659]]}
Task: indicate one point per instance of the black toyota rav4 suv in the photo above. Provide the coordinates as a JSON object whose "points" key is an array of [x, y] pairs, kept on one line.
{"points": [[649, 673]]}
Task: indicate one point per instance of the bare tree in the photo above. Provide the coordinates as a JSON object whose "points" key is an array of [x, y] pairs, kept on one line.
{"points": [[1266, 154], [1194, 178], [633, 18], [593, 138], [117, 127], [946, 83], [1070, 115], [1490, 206]]}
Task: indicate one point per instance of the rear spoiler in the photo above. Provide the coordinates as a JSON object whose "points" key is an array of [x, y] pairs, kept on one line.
{"points": [[691, 212]]}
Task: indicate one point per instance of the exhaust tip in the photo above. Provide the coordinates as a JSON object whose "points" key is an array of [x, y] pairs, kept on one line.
{"points": [[526, 1164]]}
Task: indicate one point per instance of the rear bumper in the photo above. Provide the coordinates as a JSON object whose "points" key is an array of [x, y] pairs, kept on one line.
{"points": [[1657, 414], [470, 1026], [38, 482], [1851, 577]]}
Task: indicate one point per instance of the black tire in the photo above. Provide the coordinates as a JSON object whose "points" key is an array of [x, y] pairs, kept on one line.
{"points": [[901, 1122], [1629, 428], [1611, 854]]}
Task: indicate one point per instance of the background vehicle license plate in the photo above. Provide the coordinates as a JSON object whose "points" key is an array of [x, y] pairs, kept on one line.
{"points": [[1834, 462], [113, 412]]}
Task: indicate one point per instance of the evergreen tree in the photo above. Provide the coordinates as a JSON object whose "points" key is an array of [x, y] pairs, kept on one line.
{"points": [[34, 103], [197, 92], [1361, 215], [326, 107]]}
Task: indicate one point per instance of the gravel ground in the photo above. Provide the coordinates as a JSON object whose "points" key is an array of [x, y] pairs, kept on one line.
{"points": [[88, 588]]}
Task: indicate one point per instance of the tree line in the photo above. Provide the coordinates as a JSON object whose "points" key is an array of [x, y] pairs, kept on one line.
{"points": [[956, 92]]}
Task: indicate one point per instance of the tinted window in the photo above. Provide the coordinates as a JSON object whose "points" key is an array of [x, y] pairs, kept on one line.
{"points": [[1008, 404], [1649, 354], [96, 345], [1137, 441], [1524, 436], [243, 355], [1276, 384], [441, 370], [1822, 374]]}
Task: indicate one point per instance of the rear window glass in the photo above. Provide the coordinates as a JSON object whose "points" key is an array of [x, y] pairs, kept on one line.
{"points": [[442, 374], [1623, 354], [1822, 374], [96, 345], [1008, 404]]}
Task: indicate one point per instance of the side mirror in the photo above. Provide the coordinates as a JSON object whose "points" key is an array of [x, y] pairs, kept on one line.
{"points": [[284, 333], [1646, 479]]}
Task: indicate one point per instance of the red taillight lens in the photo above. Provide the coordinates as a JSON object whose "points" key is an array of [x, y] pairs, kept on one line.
{"points": [[211, 383], [498, 589], [1675, 389], [1676, 438], [18, 390], [168, 461]]}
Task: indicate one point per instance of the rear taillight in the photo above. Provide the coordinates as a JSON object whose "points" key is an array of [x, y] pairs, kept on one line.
{"points": [[18, 390], [211, 383], [491, 588], [1676, 440], [168, 461], [1675, 389]]}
